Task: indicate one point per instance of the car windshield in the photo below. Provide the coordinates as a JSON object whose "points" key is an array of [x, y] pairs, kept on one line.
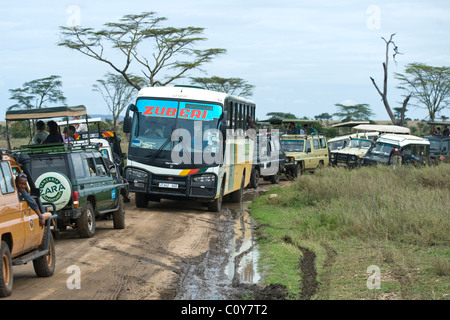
{"points": [[435, 144], [292, 145], [359, 143], [336, 145]]}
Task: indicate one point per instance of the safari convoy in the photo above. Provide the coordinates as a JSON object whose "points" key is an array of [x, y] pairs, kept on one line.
{"points": [[73, 183]]}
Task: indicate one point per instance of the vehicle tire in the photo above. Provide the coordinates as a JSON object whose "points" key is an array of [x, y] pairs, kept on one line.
{"points": [[6, 271], [141, 200], [119, 215], [254, 178], [275, 179], [216, 205], [86, 222], [45, 266], [238, 195], [298, 170]]}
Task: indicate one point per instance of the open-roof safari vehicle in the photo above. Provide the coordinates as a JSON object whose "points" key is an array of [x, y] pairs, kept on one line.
{"points": [[348, 150], [305, 151], [415, 150], [81, 182], [439, 145], [22, 238]]}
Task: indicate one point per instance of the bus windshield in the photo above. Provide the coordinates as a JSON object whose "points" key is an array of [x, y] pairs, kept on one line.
{"points": [[160, 125]]}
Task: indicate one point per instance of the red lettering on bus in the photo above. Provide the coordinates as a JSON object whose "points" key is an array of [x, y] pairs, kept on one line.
{"points": [[160, 111], [196, 114], [171, 112], [149, 110], [184, 113]]}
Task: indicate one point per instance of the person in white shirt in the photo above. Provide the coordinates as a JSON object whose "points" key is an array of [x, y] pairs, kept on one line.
{"points": [[80, 126]]}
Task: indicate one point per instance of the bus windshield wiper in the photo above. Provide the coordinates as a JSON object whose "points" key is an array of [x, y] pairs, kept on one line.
{"points": [[160, 149]]}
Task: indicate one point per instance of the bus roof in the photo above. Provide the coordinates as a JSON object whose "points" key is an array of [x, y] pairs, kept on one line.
{"points": [[190, 93]]}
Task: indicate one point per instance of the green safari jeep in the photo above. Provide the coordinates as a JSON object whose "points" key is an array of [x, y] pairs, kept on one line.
{"points": [[80, 182]]}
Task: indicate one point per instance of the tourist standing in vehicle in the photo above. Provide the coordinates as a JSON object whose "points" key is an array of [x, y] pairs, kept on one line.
{"points": [[445, 133], [41, 134], [80, 127], [21, 183], [54, 134], [69, 134]]}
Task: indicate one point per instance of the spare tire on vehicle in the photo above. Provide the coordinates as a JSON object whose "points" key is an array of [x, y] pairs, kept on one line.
{"points": [[54, 187]]}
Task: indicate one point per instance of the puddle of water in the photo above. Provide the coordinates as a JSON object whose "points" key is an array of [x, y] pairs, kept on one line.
{"points": [[242, 265]]}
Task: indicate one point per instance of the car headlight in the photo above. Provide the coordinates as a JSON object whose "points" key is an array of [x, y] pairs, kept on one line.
{"points": [[290, 159]]}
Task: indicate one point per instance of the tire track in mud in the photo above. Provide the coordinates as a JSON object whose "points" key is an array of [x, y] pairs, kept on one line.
{"points": [[148, 257], [307, 264]]}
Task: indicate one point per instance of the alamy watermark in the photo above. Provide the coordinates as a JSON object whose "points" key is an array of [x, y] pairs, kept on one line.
{"points": [[374, 280], [74, 19], [207, 147], [373, 22], [74, 280]]}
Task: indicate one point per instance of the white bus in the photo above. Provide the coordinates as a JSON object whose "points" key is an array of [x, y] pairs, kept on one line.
{"points": [[188, 143]]}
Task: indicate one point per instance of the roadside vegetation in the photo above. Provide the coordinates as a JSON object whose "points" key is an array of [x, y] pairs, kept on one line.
{"points": [[370, 233]]}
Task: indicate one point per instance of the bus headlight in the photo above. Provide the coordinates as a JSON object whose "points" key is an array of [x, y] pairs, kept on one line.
{"points": [[138, 178], [204, 179]]}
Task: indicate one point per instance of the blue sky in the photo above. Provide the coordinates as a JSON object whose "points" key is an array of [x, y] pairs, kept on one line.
{"points": [[302, 56]]}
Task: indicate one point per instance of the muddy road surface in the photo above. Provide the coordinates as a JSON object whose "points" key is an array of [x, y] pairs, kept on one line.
{"points": [[170, 250]]}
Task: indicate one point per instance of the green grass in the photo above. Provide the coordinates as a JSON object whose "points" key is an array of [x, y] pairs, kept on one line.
{"points": [[396, 219]]}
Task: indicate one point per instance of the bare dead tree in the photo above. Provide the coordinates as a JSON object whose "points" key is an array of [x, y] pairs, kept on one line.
{"points": [[383, 93]]}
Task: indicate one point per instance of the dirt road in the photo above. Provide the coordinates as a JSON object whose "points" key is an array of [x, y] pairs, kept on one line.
{"points": [[170, 250]]}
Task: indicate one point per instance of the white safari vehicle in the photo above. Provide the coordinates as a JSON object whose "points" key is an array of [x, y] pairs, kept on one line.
{"points": [[415, 150]]}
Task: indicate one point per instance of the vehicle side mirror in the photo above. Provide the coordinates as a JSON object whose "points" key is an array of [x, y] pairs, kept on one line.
{"points": [[308, 150], [112, 170], [127, 119]]}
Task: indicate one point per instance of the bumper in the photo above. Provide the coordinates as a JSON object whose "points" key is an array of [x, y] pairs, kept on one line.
{"points": [[174, 186]]}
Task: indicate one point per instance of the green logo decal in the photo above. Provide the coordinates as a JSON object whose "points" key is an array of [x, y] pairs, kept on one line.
{"points": [[51, 189]]}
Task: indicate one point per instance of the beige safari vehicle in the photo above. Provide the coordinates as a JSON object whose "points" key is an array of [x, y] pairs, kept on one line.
{"points": [[22, 239], [304, 152]]}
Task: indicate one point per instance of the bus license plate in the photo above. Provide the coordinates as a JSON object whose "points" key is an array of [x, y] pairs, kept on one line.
{"points": [[168, 185]]}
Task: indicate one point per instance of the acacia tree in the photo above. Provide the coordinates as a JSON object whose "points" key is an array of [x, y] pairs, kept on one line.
{"points": [[430, 86], [233, 86], [280, 115], [383, 93], [116, 92], [354, 112], [174, 48], [38, 94]]}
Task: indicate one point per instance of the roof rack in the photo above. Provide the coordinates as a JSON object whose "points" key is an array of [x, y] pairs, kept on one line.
{"points": [[56, 148]]}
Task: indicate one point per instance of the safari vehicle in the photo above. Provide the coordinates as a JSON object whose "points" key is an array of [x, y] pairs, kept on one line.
{"points": [[22, 239], [415, 150], [348, 150], [351, 154], [439, 149], [439, 145], [107, 140], [81, 183], [304, 152], [269, 158]]}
